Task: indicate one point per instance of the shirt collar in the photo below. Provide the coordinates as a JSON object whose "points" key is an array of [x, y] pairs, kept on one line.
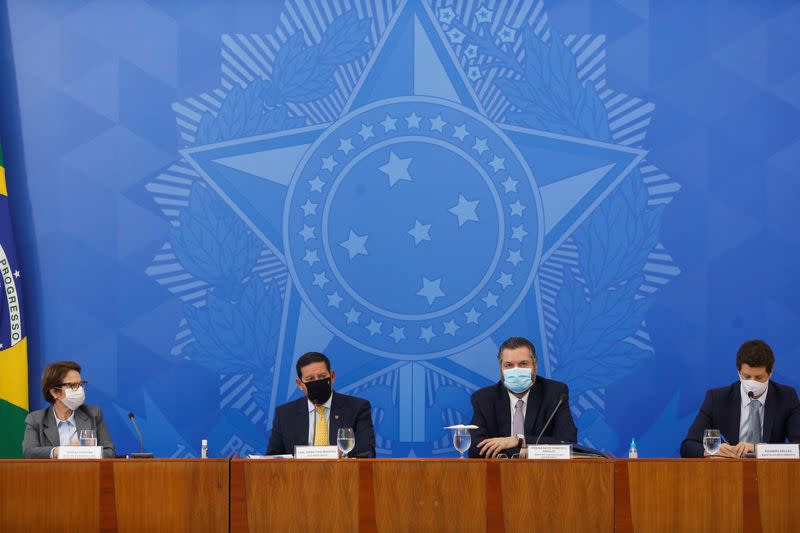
{"points": [[327, 404], [513, 397], [746, 399], [70, 420]]}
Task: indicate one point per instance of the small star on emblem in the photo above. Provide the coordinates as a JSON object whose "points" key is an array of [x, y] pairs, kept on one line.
{"points": [[420, 232], [427, 334], [316, 184], [474, 73], [505, 280], [471, 51], [472, 316], [352, 316], [483, 15], [490, 299], [430, 290], [510, 185], [396, 169], [328, 162], [346, 145], [514, 257], [17, 274], [398, 334], [355, 244], [480, 145], [309, 208], [518, 232], [446, 15], [460, 132], [320, 280], [389, 123], [307, 232], [374, 327], [498, 164], [413, 120], [365, 131], [437, 123], [311, 257], [450, 328], [334, 299], [464, 210], [517, 208]]}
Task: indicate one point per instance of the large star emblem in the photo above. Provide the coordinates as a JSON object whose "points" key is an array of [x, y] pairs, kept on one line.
{"points": [[413, 227]]}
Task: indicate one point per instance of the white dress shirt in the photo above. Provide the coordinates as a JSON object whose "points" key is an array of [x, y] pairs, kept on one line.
{"points": [[313, 415], [67, 430], [512, 398], [744, 421]]}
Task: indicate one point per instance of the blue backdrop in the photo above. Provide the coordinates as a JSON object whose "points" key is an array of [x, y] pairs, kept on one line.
{"points": [[206, 190]]}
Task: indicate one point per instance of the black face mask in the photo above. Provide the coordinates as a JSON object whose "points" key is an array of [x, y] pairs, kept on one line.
{"points": [[319, 391]]}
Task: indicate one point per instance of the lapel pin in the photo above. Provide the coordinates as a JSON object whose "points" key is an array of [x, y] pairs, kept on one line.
{"points": [[336, 417]]}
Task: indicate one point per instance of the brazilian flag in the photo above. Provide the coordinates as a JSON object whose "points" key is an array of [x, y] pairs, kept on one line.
{"points": [[13, 342]]}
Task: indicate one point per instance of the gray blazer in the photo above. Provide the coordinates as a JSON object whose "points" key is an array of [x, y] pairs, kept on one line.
{"points": [[41, 432]]}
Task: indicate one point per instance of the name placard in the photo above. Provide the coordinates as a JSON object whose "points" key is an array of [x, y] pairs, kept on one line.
{"points": [[80, 452], [777, 451], [316, 452], [550, 451]]}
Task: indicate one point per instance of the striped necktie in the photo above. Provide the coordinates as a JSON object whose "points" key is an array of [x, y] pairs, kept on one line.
{"points": [[754, 433], [321, 428]]}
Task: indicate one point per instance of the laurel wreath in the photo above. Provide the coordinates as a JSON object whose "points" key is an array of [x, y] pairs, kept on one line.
{"points": [[603, 307], [236, 331]]}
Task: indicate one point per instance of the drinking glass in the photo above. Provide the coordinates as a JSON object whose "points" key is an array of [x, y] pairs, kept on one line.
{"points": [[88, 437], [461, 440], [711, 441], [345, 440]]}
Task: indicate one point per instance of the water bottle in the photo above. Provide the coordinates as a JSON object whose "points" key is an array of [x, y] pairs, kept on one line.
{"points": [[633, 451], [204, 449]]}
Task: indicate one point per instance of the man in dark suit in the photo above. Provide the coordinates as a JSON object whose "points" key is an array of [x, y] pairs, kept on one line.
{"points": [[749, 411], [511, 413], [316, 418]]}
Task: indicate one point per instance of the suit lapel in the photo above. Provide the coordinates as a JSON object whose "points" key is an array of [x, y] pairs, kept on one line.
{"points": [[535, 402], [50, 428], [338, 418], [734, 407], [82, 421], [300, 427], [503, 411], [770, 412]]}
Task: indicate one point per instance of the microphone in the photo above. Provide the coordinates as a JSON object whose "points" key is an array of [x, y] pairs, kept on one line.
{"points": [[142, 454], [561, 400], [750, 394]]}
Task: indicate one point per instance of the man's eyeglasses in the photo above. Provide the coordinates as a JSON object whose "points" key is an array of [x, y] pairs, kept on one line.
{"points": [[74, 386]]}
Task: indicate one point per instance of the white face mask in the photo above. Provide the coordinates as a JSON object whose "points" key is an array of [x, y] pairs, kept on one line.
{"points": [[756, 387], [73, 398]]}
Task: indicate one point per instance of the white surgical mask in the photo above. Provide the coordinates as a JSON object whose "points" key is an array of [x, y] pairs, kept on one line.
{"points": [[756, 387], [73, 398]]}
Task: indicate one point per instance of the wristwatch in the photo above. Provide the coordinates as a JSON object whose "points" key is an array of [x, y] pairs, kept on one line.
{"points": [[520, 440]]}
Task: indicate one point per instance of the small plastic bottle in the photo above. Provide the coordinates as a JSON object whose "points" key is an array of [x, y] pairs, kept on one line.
{"points": [[204, 449], [633, 451]]}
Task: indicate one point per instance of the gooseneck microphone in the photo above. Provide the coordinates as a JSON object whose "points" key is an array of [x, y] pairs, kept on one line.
{"points": [[142, 454], [561, 400], [750, 394]]}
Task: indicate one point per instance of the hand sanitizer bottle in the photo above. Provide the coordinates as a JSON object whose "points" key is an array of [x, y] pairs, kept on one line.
{"points": [[204, 449], [633, 451]]}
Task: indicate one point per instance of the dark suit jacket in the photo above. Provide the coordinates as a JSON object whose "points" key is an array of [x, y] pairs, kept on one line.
{"points": [[290, 427], [41, 431], [491, 412], [722, 409]]}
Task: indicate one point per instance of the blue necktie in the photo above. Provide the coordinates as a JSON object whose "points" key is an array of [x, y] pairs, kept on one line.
{"points": [[754, 433]]}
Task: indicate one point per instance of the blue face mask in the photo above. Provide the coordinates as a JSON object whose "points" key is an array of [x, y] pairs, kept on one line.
{"points": [[518, 380]]}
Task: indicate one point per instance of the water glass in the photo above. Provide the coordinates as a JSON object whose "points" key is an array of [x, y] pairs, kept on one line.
{"points": [[88, 437], [712, 440], [345, 440], [462, 440]]}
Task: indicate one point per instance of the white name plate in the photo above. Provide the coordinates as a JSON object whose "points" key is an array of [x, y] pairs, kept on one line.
{"points": [[777, 451], [550, 451], [80, 452], [316, 452]]}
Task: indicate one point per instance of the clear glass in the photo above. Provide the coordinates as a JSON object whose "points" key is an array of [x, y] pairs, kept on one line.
{"points": [[712, 440], [345, 440], [462, 440], [88, 437]]}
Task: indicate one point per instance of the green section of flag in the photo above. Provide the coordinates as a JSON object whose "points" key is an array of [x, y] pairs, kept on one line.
{"points": [[12, 420]]}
